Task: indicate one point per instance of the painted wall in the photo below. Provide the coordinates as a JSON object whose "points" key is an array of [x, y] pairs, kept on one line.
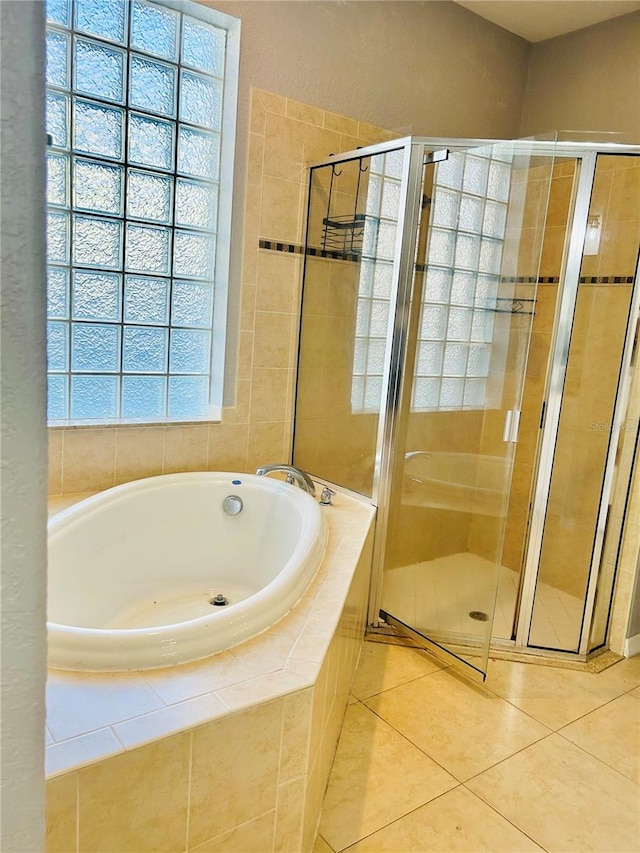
{"points": [[587, 80], [23, 447]]}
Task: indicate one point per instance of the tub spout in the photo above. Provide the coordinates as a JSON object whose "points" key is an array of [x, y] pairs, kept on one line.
{"points": [[294, 475]]}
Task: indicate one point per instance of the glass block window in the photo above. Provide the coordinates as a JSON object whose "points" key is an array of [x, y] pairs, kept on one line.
{"points": [[135, 112], [462, 273]]}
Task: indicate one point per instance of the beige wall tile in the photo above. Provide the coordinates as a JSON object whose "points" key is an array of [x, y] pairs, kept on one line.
{"points": [[341, 124], [304, 112], [245, 354], [54, 461], [269, 395], [255, 835], [62, 814], [296, 721], [250, 262], [255, 159], [279, 218], [271, 102], [289, 815], [139, 453], [266, 444], [89, 460], [247, 788], [185, 448], [248, 307], [272, 347], [319, 143], [278, 281], [138, 800], [257, 113], [228, 447], [284, 148], [252, 212], [239, 414]]}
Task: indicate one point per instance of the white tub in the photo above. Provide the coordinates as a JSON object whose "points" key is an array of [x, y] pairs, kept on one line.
{"points": [[132, 570]]}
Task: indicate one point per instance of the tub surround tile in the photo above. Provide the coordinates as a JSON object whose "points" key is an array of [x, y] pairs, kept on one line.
{"points": [[178, 683], [77, 704], [82, 751], [169, 721], [138, 453], [582, 805], [185, 449], [89, 460], [256, 834], [62, 814], [321, 846], [54, 460], [289, 815], [252, 693], [120, 810], [296, 721], [463, 726]]}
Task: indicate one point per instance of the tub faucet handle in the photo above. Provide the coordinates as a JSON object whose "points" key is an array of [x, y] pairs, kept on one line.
{"points": [[326, 495]]}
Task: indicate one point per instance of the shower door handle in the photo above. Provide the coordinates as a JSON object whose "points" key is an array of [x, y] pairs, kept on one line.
{"points": [[511, 425]]}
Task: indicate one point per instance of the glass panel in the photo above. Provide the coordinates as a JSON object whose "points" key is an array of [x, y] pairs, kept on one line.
{"points": [[149, 196], [189, 351], [58, 179], [95, 348], [57, 59], [97, 242], [148, 249], [151, 142], [200, 100], [191, 304], [96, 296], [154, 29], [97, 187], [203, 46], [58, 238], [57, 346], [145, 350], [57, 293], [196, 204], [105, 18], [98, 70], [146, 300], [98, 129], [59, 12], [588, 407], [188, 396], [464, 370], [198, 153], [94, 397], [58, 119], [152, 86], [144, 397], [57, 397], [193, 255]]}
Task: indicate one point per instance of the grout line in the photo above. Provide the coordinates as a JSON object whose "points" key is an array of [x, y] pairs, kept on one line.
{"points": [[503, 816]]}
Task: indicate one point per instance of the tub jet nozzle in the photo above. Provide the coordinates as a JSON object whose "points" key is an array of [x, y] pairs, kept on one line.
{"points": [[219, 600]]}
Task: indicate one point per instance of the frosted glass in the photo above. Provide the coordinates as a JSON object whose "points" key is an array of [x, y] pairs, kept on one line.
{"points": [[357, 393], [95, 348], [57, 108], [372, 392], [438, 286], [96, 296], [486, 291], [478, 363], [441, 246], [154, 29], [191, 304], [463, 288], [434, 322], [445, 208], [145, 349], [151, 142], [382, 280], [370, 237], [459, 327], [390, 199], [98, 70], [58, 238], [451, 392], [203, 46], [57, 293], [379, 319], [188, 396], [377, 164], [455, 360], [200, 100], [148, 249], [386, 240], [471, 213], [495, 218], [97, 242], [467, 250], [475, 393], [482, 326], [198, 153], [149, 196], [365, 280], [98, 129], [94, 397], [196, 204], [490, 256], [426, 393], [57, 179], [362, 317], [189, 351], [193, 255], [97, 187], [57, 73], [375, 360], [360, 356], [57, 397], [449, 172], [104, 18], [57, 346], [146, 300], [143, 397], [373, 196], [476, 171], [152, 86], [59, 12], [430, 357], [499, 181], [393, 163]]}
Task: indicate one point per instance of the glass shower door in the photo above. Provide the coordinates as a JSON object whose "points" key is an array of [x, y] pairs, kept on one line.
{"points": [[473, 300]]}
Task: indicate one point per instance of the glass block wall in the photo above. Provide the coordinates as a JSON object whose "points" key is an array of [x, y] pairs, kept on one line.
{"points": [[134, 116]]}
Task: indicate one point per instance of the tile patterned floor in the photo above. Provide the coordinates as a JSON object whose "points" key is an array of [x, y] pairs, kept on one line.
{"points": [[538, 758]]}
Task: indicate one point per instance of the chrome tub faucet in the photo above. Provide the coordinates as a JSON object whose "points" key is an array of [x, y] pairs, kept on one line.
{"points": [[294, 475]]}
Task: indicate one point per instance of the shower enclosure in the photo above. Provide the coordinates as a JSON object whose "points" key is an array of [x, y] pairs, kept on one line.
{"points": [[465, 348]]}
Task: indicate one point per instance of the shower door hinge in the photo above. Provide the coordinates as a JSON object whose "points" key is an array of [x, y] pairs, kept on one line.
{"points": [[511, 425], [436, 156]]}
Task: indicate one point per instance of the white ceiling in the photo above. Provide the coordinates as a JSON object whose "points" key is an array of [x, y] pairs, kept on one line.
{"points": [[536, 20]]}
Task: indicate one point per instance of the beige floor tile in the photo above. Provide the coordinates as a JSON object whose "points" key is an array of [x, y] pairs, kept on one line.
{"points": [[383, 666], [565, 799], [612, 734], [635, 693], [321, 845], [462, 726], [377, 777], [557, 696], [456, 821]]}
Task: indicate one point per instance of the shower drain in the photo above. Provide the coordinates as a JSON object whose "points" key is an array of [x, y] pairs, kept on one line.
{"points": [[479, 615]]}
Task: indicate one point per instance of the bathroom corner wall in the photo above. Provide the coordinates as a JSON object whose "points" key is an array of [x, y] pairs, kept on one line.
{"points": [[284, 137]]}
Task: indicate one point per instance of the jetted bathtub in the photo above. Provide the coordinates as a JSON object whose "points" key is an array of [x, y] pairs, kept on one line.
{"points": [[134, 571]]}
